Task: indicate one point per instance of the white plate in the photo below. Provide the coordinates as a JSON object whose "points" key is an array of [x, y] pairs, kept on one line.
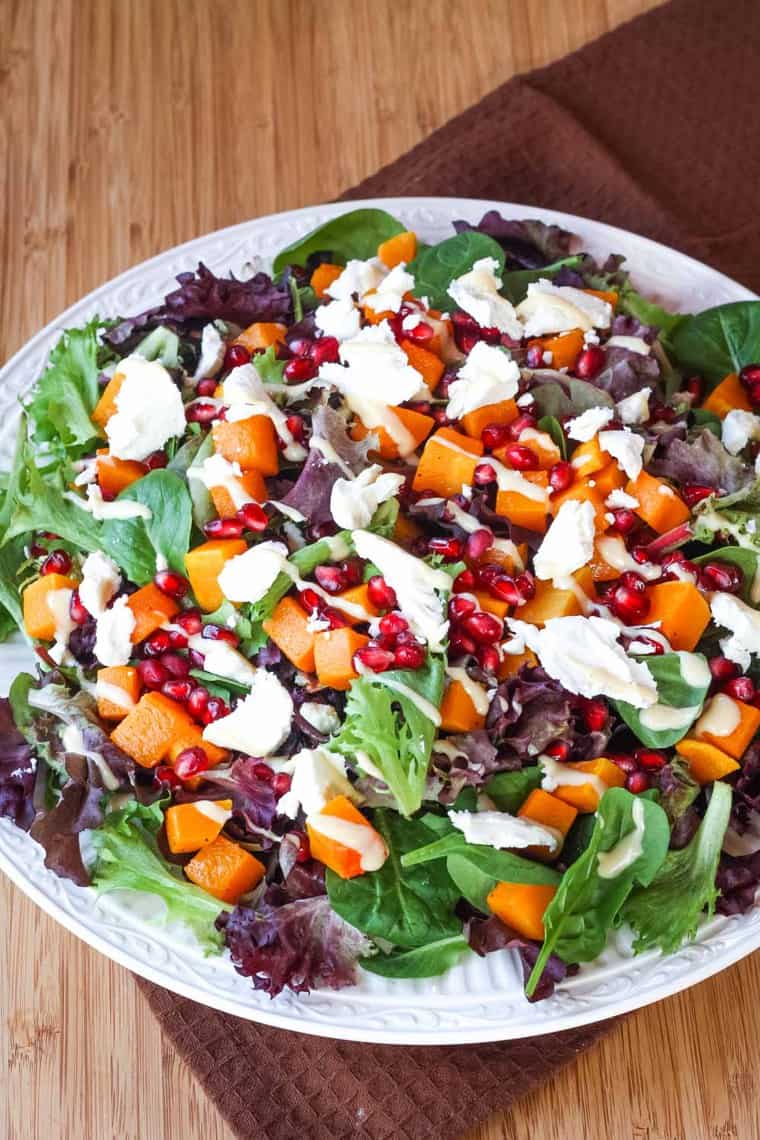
{"points": [[482, 999]]}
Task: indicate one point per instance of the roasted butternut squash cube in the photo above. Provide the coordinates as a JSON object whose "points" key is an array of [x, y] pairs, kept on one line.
{"points": [[288, 629], [660, 506], [106, 405], [205, 563], [474, 423], [742, 720], [706, 762], [334, 656], [115, 475], [146, 733], [341, 858], [448, 463], [522, 906], [225, 870], [261, 334], [727, 396], [152, 608], [252, 443], [585, 797], [39, 619], [253, 486], [117, 691], [413, 428], [526, 510], [192, 826], [400, 247], [458, 711], [681, 610]]}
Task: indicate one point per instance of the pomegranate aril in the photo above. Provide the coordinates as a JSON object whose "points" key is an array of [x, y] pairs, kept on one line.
{"points": [[215, 709], [374, 658], [213, 632], [330, 578], [177, 690], [197, 701], [460, 644], [201, 413], [490, 335], [156, 644], [624, 520], [420, 334], [166, 775], [311, 601], [633, 581], [206, 387], [649, 759], [741, 689], [253, 517], [176, 665], [484, 475], [637, 783], [152, 673], [722, 669], [57, 562], [197, 660], [750, 376], [77, 611], [478, 543], [281, 784], [488, 658], [559, 749], [594, 713], [463, 582], [662, 413], [590, 362], [483, 627], [392, 625], [521, 457], [380, 593], [449, 548], [353, 571], [410, 656], [695, 387], [301, 346], [461, 607], [298, 369], [171, 583], [526, 585], [723, 576], [693, 493], [263, 772], [624, 763], [296, 425], [561, 476], [190, 621], [504, 588], [235, 356], [303, 854], [523, 422], [628, 605], [224, 528], [36, 550], [326, 351], [462, 320], [494, 435], [191, 762], [156, 460]]}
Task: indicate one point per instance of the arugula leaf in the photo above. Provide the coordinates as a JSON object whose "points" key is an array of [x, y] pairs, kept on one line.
{"points": [[580, 915], [408, 907], [552, 427], [128, 858], [356, 234], [720, 340], [515, 284], [668, 910], [509, 790], [675, 675], [424, 962], [160, 344], [134, 543], [435, 267], [390, 728]]}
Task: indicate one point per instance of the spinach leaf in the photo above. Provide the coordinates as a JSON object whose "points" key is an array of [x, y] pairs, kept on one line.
{"points": [[515, 284], [424, 962], [160, 344], [356, 234], [682, 683], [220, 686], [720, 340], [406, 907], [435, 267], [668, 910], [134, 543], [739, 556], [580, 915], [391, 729], [509, 790], [552, 427], [578, 838]]}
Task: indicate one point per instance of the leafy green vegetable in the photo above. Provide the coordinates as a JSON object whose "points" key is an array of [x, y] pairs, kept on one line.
{"points": [[187, 455], [578, 838], [745, 559], [203, 504], [160, 344], [580, 915], [408, 907], [567, 396], [40, 505], [515, 284], [128, 858], [668, 910], [356, 234], [11, 614], [135, 543], [509, 790], [269, 367], [671, 671], [552, 426], [648, 312], [680, 791], [220, 686], [736, 515], [705, 419], [435, 267], [424, 962], [720, 340]]}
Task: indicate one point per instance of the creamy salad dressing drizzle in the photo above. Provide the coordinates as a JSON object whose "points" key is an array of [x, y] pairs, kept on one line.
{"points": [[627, 850]]}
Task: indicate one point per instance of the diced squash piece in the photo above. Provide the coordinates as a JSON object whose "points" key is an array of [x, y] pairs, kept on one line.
{"points": [[254, 486], [458, 712], [192, 826], [681, 610], [147, 732], [356, 596], [550, 811], [191, 736], [418, 426], [585, 797], [582, 490], [323, 277], [522, 906], [261, 334], [660, 506], [602, 571], [401, 247], [588, 458], [609, 296], [375, 316], [344, 861], [565, 347], [727, 396], [430, 367], [551, 602], [106, 405], [225, 870], [288, 629], [115, 475], [406, 530], [205, 563], [448, 463], [39, 620], [737, 741], [252, 443], [151, 607], [523, 510], [118, 691], [610, 478], [491, 605], [502, 413], [706, 762], [512, 663], [334, 656]]}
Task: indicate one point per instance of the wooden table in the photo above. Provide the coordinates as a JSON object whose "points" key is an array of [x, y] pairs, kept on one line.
{"points": [[127, 127]]}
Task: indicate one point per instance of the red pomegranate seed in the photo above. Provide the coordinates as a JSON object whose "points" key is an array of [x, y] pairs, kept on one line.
{"points": [[190, 620], [461, 607], [392, 625], [741, 689], [206, 387], [253, 517], [488, 658], [723, 576], [649, 759], [484, 475], [197, 660], [561, 476], [590, 362], [594, 714], [380, 593], [326, 351], [156, 460], [36, 550], [625, 520], [353, 571], [171, 583], [330, 578], [558, 749], [624, 763], [177, 690], [303, 854], [483, 627], [494, 435], [197, 701], [301, 346], [374, 658], [463, 582], [662, 413], [298, 369], [634, 581], [750, 376], [524, 421], [311, 601], [521, 457], [640, 554], [235, 356], [504, 588], [460, 644], [77, 611], [176, 665], [695, 387], [462, 320], [296, 425], [152, 673], [334, 619], [156, 644], [215, 709], [224, 528], [213, 632], [410, 656], [466, 341], [166, 775], [420, 334], [628, 605], [191, 762], [449, 548], [693, 493], [526, 585], [263, 772], [722, 669], [490, 335], [478, 543], [534, 357], [200, 413], [281, 784], [57, 562], [637, 783]]}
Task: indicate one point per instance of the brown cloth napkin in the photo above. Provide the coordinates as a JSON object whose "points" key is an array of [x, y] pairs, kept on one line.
{"points": [[653, 128]]}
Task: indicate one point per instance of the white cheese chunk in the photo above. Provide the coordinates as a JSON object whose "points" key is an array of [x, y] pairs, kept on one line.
{"points": [[340, 319], [358, 278], [320, 716], [377, 368], [743, 623], [626, 449], [101, 579], [353, 502], [318, 777], [569, 541], [739, 428], [501, 830], [585, 426], [149, 410], [488, 376], [618, 499], [634, 409], [477, 294], [246, 395], [248, 576], [212, 353], [389, 295], [633, 343], [258, 725], [113, 634], [550, 308]]}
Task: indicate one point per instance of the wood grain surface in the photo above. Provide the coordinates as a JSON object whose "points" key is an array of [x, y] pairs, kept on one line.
{"points": [[127, 126]]}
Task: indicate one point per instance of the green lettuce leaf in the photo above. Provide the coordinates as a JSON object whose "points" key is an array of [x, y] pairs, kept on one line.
{"points": [[356, 234], [720, 340], [135, 543], [423, 962]]}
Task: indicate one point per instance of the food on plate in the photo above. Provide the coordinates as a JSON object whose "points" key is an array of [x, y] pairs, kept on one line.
{"points": [[396, 606]]}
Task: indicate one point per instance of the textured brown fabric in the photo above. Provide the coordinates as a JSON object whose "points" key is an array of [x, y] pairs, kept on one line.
{"points": [[652, 128]]}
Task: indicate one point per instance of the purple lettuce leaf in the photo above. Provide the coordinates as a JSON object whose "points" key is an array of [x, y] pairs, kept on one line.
{"points": [[623, 325], [737, 880], [302, 945], [253, 800], [702, 460], [488, 934], [626, 372], [16, 771], [528, 244], [477, 761], [80, 808], [311, 493]]}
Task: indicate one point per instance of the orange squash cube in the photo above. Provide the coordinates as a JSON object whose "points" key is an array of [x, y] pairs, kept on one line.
{"points": [[583, 491], [191, 736], [146, 733], [225, 870], [448, 463], [401, 247], [356, 596], [589, 458], [152, 608], [737, 741], [252, 483], [323, 277], [39, 620], [252, 443], [551, 602], [706, 762], [660, 506], [550, 811], [430, 367], [288, 629], [540, 443], [727, 396], [343, 860], [334, 656], [512, 663], [117, 691], [522, 906], [500, 414], [610, 478], [586, 797], [261, 334], [564, 347], [205, 563], [115, 475], [106, 405], [524, 510], [458, 712], [681, 610], [416, 424], [192, 826]]}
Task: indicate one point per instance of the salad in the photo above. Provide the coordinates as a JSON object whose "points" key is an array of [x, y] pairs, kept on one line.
{"points": [[397, 605]]}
